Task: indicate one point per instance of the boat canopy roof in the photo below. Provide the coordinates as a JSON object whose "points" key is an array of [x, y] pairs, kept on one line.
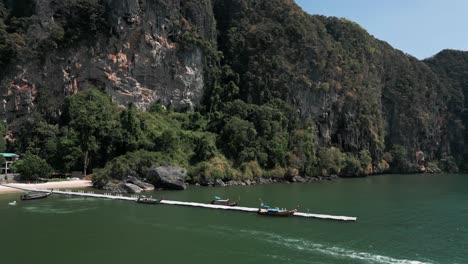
{"points": [[9, 155]]}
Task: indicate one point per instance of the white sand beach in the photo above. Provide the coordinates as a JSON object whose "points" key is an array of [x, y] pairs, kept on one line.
{"points": [[72, 184]]}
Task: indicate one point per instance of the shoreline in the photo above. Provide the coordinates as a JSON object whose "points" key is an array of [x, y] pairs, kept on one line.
{"points": [[80, 184], [261, 181], [72, 184]]}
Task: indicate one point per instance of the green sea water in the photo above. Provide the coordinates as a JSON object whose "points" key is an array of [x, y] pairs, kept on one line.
{"points": [[401, 219]]}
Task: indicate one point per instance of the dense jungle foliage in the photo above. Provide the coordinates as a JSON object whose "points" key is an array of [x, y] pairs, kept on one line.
{"points": [[239, 141]]}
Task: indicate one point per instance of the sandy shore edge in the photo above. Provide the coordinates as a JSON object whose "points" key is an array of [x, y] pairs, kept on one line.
{"points": [[48, 185]]}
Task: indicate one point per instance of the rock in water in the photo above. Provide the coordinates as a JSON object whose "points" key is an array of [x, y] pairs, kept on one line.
{"points": [[143, 185], [219, 182], [206, 182], [131, 188], [167, 177], [298, 179], [233, 183], [265, 181]]}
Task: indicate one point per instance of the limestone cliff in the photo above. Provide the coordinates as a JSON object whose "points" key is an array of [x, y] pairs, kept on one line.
{"points": [[358, 91], [133, 52]]}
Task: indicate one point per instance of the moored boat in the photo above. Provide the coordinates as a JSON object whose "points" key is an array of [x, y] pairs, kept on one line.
{"points": [[218, 201], [268, 211], [146, 200], [275, 212], [34, 196]]}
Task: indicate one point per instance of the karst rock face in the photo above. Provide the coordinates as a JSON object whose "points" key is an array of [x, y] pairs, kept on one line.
{"points": [[355, 91], [136, 55]]}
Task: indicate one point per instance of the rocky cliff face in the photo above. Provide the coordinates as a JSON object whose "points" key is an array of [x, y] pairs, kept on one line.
{"points": [[133, 53], [451, 67], [357, 92]]}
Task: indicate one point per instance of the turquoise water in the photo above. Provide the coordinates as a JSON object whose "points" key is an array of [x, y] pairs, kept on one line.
{"points": [[401, 219]]}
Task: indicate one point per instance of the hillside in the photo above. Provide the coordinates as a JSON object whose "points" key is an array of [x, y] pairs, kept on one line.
{"points": [[451, 67], [261, 88]]}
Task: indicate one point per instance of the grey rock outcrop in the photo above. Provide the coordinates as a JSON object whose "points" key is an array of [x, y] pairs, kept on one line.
{"points": [[219, 182], [233, 183], [143, 185], [298, 179], [167, 177], [206, 182], [114, 188], [264, 180], [131, 188]]}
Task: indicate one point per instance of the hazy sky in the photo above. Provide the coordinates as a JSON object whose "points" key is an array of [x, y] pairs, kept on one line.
{"points": [[418, 27]]}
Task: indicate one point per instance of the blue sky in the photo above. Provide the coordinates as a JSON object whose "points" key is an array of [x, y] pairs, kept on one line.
{"points": [[418, 27]]}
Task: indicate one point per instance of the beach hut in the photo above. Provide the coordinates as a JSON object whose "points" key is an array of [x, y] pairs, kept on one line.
{"points": [[9, 158]]}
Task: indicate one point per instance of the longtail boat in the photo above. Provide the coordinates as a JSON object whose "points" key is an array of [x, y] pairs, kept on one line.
{"points": [[146, 200], [275, 212], [34, 196], [267, 211], [218, 201]]}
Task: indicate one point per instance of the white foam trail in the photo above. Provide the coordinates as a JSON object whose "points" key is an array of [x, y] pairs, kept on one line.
{"points": [[52, 210], [337, 252]]}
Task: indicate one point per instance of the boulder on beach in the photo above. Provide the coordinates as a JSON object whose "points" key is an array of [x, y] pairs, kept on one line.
{"points": [[143, 185], [114, 188], [167, 177], [310, 179], [298, 179], [206, 182], [219, 182], [233, 183], [131, 188], [265, 181]]}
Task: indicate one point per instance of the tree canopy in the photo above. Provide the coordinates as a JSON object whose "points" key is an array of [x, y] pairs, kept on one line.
{"points": [[32, 168]]}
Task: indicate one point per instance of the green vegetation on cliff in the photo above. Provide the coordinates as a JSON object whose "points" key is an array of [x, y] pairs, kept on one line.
{"points": [[359, 93], [239, 141], [451, 66], [11, 39]]}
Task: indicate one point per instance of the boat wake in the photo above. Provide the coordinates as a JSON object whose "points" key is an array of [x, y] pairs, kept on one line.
{"points": [[55, 210], [328, 250], [338, 252]]}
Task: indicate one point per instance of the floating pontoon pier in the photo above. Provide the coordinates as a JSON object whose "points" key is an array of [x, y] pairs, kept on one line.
{"points": [[169, 202]]}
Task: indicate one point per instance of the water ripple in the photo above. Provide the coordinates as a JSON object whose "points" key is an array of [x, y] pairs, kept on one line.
{"points": [[338, 252], [54, 210], [313, 247]]}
